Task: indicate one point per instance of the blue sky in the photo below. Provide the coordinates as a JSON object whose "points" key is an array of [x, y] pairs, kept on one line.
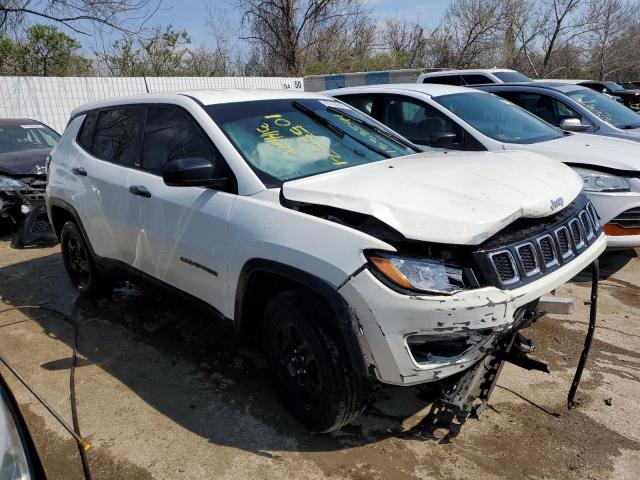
{"points": [[190, 15]]}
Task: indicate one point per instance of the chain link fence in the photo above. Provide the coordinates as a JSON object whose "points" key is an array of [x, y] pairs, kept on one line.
{"points": [[51, 99]]}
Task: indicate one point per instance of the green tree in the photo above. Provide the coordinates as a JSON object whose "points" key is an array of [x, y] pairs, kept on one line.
{"points": [[164, 53], [48, 52], [45, 51]]}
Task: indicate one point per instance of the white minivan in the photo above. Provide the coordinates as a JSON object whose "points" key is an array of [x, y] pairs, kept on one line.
{"points": [[461, 118]]}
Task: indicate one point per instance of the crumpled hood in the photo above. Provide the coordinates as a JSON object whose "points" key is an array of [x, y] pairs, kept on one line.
{"points": [[582, 148], [445, 197], [26, 162]]}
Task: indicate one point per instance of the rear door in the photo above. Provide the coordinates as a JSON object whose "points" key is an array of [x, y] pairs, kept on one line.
{"points": [[109, 141], [180, 232]]}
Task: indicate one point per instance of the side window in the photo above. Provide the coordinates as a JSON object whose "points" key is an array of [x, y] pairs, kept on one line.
{"points": [[421, 123], [85, 135], [117, 135], [170, 134], [445, 80], [547, 108], [476, 79], [364, 103]]}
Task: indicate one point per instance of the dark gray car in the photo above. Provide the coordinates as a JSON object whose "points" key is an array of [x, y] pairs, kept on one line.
{"points": [[572, 107]]}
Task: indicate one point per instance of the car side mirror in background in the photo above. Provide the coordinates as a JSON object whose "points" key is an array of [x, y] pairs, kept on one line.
{"points": [[192, 172], [443, 139], [573, 125]]}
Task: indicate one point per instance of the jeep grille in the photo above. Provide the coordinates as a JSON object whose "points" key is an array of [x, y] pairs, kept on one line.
{"points": [[512, 264]]}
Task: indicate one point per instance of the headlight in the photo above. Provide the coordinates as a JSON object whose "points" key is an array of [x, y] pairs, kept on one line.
{"points": [[595, 181], [13, 459], [8, 184], [418, 274]]}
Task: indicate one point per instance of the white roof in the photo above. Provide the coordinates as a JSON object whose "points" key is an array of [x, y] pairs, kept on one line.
{"points": [[471, 70], [205, 97], [431, 89]]}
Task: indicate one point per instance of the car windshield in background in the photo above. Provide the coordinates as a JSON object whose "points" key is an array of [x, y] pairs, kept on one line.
{"points": [[606, 108], [27, 136], [294, 138], [498, 118], [509, 77], [614, 87]]}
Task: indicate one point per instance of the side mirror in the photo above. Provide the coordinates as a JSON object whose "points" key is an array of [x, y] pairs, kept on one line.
{"points": [[573, 125], [192, 172], [443, 139]]}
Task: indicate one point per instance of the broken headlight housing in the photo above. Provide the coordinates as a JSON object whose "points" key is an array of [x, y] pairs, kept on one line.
{"points": [[595, 181], [8, 184], [416, 274]]}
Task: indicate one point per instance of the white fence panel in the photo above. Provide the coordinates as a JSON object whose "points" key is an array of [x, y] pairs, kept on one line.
{"points": [[51, 99]]}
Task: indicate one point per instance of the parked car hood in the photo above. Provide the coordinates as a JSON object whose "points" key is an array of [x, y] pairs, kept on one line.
{"points": [[25, 162], [445, 197], [581, 148]]}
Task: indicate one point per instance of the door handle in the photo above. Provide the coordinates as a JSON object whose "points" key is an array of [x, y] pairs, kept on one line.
{"points": [[79, 171], [140, 190]]}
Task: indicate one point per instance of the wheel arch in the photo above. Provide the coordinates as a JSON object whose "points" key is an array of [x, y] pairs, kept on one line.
{"points": [[59, 213], [261, 279]]}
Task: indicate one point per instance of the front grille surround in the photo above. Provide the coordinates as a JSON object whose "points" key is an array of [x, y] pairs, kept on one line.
{"points": [[542, 252], [547, 243], [499, 271], [528, 259]]}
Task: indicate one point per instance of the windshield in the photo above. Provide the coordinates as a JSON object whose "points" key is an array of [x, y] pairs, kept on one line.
{"points": [[294, 138], [508, 77], [606, 108], [498, 118], [27, 136], [614, 87]]}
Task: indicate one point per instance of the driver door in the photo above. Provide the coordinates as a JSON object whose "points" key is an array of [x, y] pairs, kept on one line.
{"points": [[180, 232]]}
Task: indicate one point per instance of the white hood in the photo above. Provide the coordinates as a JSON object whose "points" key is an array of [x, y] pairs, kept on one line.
{"points": [[446, 197], [590, 150]]}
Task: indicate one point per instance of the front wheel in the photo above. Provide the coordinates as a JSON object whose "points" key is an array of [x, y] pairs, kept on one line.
{"points": [[312, 372], [78, 262]]}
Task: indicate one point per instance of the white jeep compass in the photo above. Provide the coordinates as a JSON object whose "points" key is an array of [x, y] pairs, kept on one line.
{"points": [[322, 235]]}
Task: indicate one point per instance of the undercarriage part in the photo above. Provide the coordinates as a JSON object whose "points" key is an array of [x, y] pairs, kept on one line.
{"points": [[35, 230], [595, 277], [523, 344]]}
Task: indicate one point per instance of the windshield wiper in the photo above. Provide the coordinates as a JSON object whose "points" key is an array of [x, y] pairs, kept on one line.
{"points": [[378, 130], [341, 133], [630, 127]]}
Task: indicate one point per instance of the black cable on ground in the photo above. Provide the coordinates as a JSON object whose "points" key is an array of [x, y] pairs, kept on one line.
{"points": [[72, 384]]}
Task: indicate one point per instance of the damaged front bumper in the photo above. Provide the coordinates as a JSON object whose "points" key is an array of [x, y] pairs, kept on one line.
{"points": [[26, 208], [409, 340]]}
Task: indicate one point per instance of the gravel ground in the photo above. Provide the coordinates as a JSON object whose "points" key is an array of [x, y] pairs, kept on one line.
{"points": [[164, 392]]}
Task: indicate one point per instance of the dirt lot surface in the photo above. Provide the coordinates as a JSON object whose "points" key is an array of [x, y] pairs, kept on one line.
{"points": [[164, 392]]}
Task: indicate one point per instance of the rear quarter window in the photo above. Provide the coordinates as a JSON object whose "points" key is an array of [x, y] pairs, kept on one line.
{"points": [[445, 80], [85, 135]]}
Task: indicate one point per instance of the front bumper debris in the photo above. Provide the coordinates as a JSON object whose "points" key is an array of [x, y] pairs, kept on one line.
{"points": [[26, 208], [459, 329], [468, 394]]}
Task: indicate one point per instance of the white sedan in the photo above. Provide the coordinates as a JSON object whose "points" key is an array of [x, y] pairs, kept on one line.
{"points": [[461, 118]]}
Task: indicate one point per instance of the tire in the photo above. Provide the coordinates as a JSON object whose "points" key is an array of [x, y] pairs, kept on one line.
{"points": [[79, 263], [311, 370]]}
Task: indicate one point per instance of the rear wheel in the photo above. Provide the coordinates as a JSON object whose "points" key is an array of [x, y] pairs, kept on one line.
{"points": [[312, 372], [79, 264]]}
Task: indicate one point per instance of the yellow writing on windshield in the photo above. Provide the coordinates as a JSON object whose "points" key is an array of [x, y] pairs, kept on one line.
{"points": [[278, 131]]}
